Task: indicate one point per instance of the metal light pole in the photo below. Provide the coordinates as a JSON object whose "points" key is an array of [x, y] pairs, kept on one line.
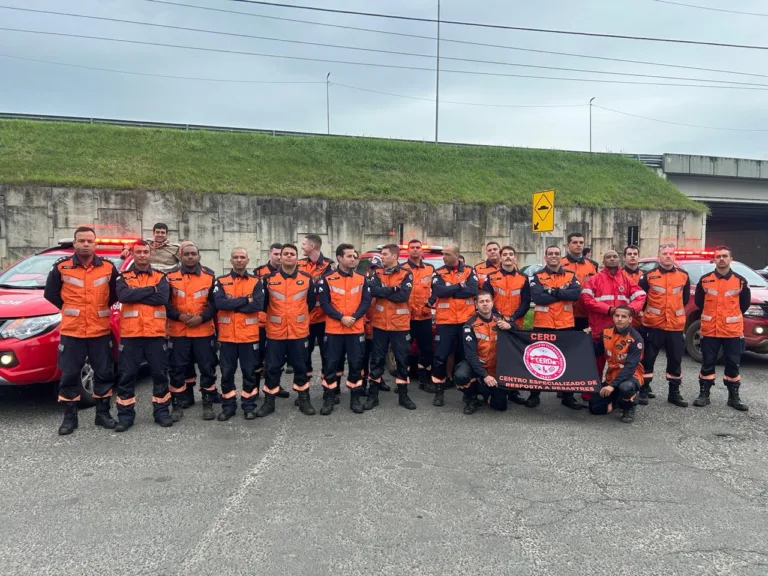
{"points": [[328, 102], [590, 123], [437, 79]]}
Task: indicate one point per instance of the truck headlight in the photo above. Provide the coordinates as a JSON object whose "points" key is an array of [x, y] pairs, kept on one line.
{"points": [[755, 310], [24, 328]]}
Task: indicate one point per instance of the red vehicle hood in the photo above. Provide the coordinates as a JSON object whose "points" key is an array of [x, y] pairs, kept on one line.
{"points": [[17, 303]]}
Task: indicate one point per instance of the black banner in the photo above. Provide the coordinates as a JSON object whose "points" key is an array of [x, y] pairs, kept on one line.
{"points": [[547, 361]]}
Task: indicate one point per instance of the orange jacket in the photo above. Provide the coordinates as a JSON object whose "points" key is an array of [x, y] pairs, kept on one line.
{"points": [[191, 293], [635, 275], [238, 299], [392, 290], [341, 294], [288, 300], [422, 289], [260, 273], [84, 295], [583, 268], [554, 294], [668, 292], [455, 303], [722, 301], [480, 345], [483, 269], [316, 270], [143, 297], [368, 321], [623, 354], [511, 294]]}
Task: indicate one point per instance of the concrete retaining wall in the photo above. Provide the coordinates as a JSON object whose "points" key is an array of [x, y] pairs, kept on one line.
{"points": [[34, 217]]}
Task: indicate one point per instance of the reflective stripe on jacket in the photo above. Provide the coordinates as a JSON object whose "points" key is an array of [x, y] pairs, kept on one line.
{"points": [[554, 311], [238, 300], [584, 268], [667, 293], [191, 293], [143, 298], [454, 304], [605, 291], [723, 300], [288, 300], [511, 294], [316, 270], [422, 290]]}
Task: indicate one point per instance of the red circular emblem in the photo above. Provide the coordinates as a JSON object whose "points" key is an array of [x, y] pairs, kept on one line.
{"points": [[544, 361]]}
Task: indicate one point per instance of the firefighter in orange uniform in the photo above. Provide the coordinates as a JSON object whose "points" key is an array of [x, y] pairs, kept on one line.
{"points": [[272, 266], [368, 327], [554, 290], [191, 329], [454, 288], [82, 286], [421, 311], [668, 290], [391, 285], [511, 297], [492, 262], [289, 297], [143, 293], [583, 267], [345, 297], [622, 347], [317, 266], [238, 297], [722, 296], [477, 372]]}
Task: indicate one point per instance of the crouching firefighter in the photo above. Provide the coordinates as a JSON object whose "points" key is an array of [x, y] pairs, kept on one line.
{"points": [[143, 294], [345, 297], [477, 372], [239, 297], [622, 347]]}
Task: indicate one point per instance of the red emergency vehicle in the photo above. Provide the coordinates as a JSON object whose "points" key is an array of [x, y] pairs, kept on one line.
{"points": [[29, 324], [698, 263]]}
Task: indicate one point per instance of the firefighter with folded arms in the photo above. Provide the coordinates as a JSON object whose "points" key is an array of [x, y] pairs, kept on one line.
{"points": [[454, 288], [143, 294], [345, 297], [584, 268], [668, 290], [421, 311], [289, 297], [368, 328], [491, 264], [477, 372], [191, 329], [554, 291], [238, 297], [391, 285], [82, 286], [722, 296], [622, 347], [511, 297]]}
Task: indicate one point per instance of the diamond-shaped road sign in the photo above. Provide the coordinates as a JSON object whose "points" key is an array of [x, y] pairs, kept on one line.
{"points": [[543, 211]]}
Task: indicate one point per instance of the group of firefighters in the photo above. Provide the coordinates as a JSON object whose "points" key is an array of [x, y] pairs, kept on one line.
{"points": [[173, 311]]}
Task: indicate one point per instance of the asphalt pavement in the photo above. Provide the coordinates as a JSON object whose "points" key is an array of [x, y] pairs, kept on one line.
{"points": [[526, 492]]}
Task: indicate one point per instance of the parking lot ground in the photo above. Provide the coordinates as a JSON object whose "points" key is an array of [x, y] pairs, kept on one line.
{"points": [[544, 491]]}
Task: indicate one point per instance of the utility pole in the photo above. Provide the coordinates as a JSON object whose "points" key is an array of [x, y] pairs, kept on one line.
{"points": [[328, 102], [437, 80], [590, 123]]}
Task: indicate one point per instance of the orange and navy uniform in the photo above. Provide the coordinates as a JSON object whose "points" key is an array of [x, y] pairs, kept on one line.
{"points": [[392, 290], [722, 299], [553, 295], [83, 294], [480, 345], [453, 290], [260, 273], [635, 275], [288, 301], [422, 289], [484, 269], [667, 295], [584, 268], [344, 294], [191, 293], [238, 299], [316, 270], [511, 294], [624, 354]]}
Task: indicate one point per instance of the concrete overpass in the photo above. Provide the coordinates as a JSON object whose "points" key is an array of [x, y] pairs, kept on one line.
{"points": [[736, 191]]}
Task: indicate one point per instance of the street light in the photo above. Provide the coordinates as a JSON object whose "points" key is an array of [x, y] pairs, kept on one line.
{"points": [[437, 77], [328, 102], [590, 123]]}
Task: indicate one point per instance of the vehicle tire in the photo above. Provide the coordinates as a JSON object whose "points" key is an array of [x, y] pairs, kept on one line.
{"points": [[86, 386], [693, 342], [390, 365]]}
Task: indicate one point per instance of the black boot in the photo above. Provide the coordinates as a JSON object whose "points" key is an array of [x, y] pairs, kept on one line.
{"points": [[328, 403], [703, 399], [337, 394], [164, 420], [470, 402], [425, 382], [103, 417], [674, 396], [177, 409], [651, 395], [373, 397], [533, 399], [249, 414], [268, 407], [403, 399], [514, 396], [642, 396], [628, 415], [216, 397], [226, 413], [283, 393], [305, 405], [570, 401], [439, 399], [733, 397], [208, 406], [188, 397], [364, 388], [383, 386], [123, 425], [354, 403], [69, 423]]}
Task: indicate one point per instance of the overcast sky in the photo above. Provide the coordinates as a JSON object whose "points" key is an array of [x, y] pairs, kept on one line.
{"points": [[32, 87]]}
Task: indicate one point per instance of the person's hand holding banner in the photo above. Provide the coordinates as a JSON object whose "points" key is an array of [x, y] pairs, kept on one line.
{"points": [[606, 391], [490, 381]]}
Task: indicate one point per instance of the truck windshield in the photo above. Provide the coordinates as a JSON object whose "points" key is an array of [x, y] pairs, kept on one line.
{"points": [[32, 272]]}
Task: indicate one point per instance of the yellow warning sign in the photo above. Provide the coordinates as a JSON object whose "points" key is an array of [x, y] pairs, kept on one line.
{"points": [[543, 211]]}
